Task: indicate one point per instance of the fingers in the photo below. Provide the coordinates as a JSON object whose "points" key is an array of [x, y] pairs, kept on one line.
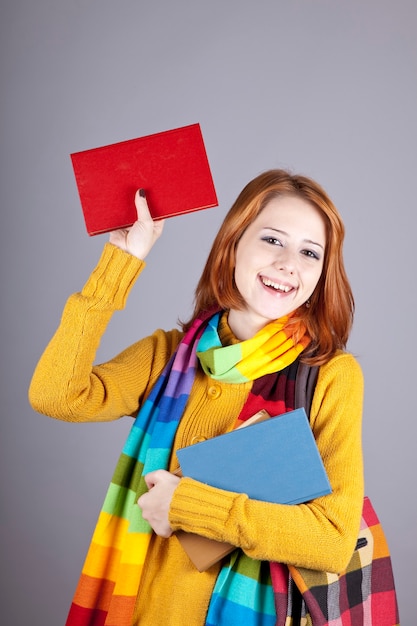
{"points": [[155, 504], [142, 208], [158, 227], [155, 477], [144, 214], [150, 479], [139, 239]]}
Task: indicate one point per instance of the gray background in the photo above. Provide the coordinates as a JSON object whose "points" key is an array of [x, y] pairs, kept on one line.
{"points": [[325, 87]]}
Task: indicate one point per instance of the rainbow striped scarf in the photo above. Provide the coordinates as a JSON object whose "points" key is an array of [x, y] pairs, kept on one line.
{"points": [[107, 589]]}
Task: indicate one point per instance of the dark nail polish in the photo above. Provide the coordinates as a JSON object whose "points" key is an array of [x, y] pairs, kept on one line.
{"points": [[142, 193]]}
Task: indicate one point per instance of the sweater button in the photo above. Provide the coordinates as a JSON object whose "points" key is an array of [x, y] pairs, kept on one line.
{"points": [[198, 439], [214, 391]]}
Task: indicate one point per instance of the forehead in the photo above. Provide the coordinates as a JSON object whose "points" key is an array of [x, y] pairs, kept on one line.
{"points": [[293, 214]]}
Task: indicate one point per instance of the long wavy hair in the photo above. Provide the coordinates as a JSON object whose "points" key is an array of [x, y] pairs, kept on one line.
{"points": [[329, 317]]}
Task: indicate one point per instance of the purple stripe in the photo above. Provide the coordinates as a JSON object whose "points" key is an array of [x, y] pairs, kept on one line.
{"points": [[179, 383]]}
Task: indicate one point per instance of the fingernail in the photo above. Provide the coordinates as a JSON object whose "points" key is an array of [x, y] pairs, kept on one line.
{"points": [[142, 193]]}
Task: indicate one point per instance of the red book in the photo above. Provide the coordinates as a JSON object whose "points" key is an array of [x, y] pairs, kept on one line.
{"points": [[171, 166]]}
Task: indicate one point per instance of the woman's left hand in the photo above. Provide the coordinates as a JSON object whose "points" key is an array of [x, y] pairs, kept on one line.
{"points": [[156, 503]]}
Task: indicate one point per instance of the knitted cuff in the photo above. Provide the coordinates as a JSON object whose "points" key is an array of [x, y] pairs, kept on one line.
{"points": [[113, 277], [199, 508]]}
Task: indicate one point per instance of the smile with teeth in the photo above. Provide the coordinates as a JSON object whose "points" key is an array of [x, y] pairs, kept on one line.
{"points": [[277, 286]]}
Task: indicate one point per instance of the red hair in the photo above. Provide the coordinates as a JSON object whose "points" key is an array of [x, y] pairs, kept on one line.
{"points": [[329, 317]]}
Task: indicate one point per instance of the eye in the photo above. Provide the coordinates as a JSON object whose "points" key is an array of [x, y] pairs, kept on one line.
{"points": [[272, 240], [311, 254]]}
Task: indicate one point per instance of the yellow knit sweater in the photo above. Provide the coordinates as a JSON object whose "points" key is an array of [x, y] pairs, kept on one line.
{"points": [[318, 535]]}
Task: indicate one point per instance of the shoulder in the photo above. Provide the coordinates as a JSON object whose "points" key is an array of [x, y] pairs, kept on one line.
{"points": [[339, 389], [165, 341], [343, 367], [156, 348]]}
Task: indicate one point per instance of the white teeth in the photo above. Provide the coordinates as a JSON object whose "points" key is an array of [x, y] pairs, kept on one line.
{"points": [[270, 283]]}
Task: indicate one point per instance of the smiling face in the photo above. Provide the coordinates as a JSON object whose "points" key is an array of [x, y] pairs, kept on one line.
{"points": [[279, 260]]}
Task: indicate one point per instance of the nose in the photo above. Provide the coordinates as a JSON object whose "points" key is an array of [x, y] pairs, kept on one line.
{"points": [[286, 261]]}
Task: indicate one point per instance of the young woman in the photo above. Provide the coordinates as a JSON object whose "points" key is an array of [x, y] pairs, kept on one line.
{"points": [[273, 292]]}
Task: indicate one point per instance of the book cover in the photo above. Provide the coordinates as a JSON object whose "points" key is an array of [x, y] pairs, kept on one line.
{"points": [[202, 551], [172, 166], [292, 440], [276, 460]]}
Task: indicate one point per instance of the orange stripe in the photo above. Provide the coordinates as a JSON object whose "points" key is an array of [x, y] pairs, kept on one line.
{"points": [[121, 611], [93, 593], [380, 543]]}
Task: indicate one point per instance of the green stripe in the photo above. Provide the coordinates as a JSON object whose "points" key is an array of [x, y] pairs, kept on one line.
{"points": [[251, 568], [128, 472], [121, 503]]}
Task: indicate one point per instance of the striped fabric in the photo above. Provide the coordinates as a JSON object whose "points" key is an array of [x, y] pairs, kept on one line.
{"points": [[244, 593], [108, 585], [270, 350]]}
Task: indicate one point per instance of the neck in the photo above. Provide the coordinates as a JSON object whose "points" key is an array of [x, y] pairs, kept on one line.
{"points": [[242, 326]]}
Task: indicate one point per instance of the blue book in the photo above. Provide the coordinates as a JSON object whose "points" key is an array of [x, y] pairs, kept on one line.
{"points": [[276, 460]]}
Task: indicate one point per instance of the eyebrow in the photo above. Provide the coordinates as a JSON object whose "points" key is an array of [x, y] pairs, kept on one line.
{"points": [[283, 232]]}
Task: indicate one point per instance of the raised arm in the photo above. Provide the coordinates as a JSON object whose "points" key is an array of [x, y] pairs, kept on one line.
{"points": [[66, 384]]}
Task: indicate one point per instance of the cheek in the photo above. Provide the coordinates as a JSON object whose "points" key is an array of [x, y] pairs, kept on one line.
{"points": [[237, 276], [240, 266]]}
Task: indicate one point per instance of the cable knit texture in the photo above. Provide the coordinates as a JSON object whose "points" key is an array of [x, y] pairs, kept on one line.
{"points": [[318, 535]]}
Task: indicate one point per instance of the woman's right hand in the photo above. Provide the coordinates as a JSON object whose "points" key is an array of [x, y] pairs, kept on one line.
{"points": [[139, 238]]}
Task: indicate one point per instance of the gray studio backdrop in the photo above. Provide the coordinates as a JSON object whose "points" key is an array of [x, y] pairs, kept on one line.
{"points": [[324, 87]]}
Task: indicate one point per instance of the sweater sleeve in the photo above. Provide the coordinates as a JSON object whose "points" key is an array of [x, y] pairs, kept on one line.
{"points": [[66, 384], [318, 535]]}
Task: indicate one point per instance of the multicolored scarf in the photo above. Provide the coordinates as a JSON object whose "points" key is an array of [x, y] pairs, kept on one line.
{"points": [[109, 582]]}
